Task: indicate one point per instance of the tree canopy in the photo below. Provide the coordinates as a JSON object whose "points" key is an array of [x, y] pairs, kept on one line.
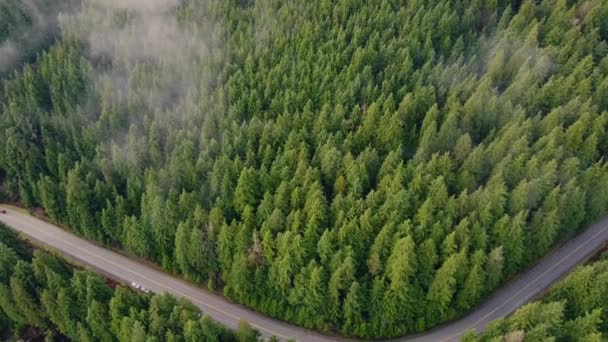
{"points": [[53, 297], [573, 310], [307, 156]]}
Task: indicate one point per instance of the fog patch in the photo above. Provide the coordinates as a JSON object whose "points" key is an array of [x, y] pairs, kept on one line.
{"points": [[149, 65], [151, 57], [37, 27], [8, 56]]}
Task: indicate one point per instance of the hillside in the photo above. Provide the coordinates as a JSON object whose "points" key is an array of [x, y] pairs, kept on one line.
{"points": [[369, 167]]}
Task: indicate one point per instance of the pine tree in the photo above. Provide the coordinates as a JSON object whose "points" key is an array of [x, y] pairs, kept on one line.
{"points": [[245, 333], [442, 290], [136, 238], [495, 268], [339, 281], [247, 190], [473, 286], [97, 320], [401, 267], [427, 260], [8, 259], [24, 294], [182, 247], [138, 334], [353, 312]]}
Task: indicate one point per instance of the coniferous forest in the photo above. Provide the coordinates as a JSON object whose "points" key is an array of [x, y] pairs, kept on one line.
{"points": [[574, 310], [40, 290], [373, 168]]}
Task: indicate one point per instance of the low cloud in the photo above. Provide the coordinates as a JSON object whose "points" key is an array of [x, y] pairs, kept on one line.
{"points": [[8, 56], [151, 55], [149, 64], [39, 28]]}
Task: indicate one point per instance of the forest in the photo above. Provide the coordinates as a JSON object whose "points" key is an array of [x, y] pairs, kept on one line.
{"points": [[40, 290], [373, 168], [576, 309], [26, 27]]}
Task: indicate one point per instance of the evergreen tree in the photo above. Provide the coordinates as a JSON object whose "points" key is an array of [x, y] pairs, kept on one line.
{"points": [[467, 128]]}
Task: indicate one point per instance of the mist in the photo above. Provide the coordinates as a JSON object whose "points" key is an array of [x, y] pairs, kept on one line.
{"points": [[149, 65], [31, 26], [154, 60], [8, 56]]}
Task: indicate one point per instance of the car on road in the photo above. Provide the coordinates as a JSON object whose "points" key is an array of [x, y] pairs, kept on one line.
{"points": [[139, 287]]}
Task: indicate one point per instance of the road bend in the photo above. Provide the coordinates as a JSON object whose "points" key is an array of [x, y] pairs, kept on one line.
{"points": [[503, 302]]}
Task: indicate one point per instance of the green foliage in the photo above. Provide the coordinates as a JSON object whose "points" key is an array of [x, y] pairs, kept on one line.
{"points": [[573, 310], [413, 156], [245, 333], [49, 295], [11, 240]]}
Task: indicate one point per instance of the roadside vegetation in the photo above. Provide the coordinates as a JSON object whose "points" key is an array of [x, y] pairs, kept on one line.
{"points": [[41, 296], [369, 167], [576, 309]]}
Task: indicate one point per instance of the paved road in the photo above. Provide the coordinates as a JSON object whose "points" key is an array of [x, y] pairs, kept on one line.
{"points": [[502, 303]]}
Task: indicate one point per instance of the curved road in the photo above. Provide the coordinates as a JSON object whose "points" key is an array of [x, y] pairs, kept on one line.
{"points": [[502, 303]]}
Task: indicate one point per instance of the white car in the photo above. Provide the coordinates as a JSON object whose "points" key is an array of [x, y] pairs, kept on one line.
{"points": [[139, 287]]}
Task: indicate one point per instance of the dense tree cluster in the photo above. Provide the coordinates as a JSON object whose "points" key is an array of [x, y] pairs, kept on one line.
{"points": [[42, 291], [372, 167], [576, 309]]}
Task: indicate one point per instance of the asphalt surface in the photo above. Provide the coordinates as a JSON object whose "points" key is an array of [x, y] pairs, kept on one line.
{"points": [[502, 303]]}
